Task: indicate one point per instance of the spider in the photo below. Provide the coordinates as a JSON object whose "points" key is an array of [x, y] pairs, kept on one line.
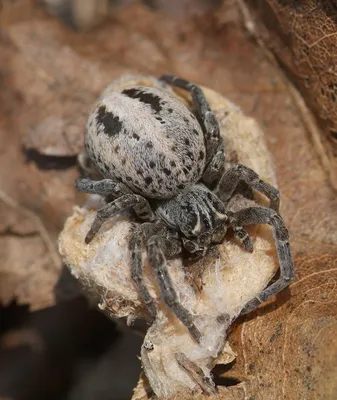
{"points": [[167, 164]]}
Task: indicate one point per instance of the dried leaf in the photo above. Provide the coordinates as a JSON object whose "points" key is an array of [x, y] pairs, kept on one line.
{"points": [[44, 66], [303, 35]]}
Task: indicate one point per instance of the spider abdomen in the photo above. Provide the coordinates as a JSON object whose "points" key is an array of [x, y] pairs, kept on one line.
{"points": [[148, 139]]}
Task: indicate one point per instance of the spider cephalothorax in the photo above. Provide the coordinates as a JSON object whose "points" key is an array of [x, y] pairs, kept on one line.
{"points": [[198, 214], [168, 165]]}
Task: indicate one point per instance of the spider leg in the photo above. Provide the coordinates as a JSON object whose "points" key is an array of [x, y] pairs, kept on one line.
{"points": [[206, 115], [214, 170], [103, 187], [192, 246], [136, 242], [239, 172], [137, 203], [171, 247], [264, 215], [197, 374], [240, 233], [158, 262]]}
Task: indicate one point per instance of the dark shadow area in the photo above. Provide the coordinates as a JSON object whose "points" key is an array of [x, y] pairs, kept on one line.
{"points": [[49, 162], [65, 352], [221, 380]]}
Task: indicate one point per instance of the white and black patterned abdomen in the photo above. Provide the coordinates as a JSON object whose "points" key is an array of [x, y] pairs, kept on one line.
{"points": [[148, 139]]}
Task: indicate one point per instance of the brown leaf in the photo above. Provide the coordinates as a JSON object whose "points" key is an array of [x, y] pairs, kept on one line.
{"points": [[303, 35], [49, 73]]}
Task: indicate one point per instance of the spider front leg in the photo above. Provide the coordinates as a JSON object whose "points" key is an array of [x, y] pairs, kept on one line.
{"points": [[137, 240], [104, 187], [238, 172], [240, 233], [158, 262], [205, 114], [128, 201], [159, 243], [263, 215], [215, 168]]}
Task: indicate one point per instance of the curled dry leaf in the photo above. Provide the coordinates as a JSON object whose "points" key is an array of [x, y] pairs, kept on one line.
{"points": [[42, 64], [303, 35], [172, 360]]}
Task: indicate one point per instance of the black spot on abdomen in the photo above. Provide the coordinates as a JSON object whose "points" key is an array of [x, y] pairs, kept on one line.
{"points": [[111, 123], [148, 98]]}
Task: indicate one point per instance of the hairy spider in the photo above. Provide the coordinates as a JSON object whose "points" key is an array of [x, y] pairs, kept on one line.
{"points": [[168, 165]]}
